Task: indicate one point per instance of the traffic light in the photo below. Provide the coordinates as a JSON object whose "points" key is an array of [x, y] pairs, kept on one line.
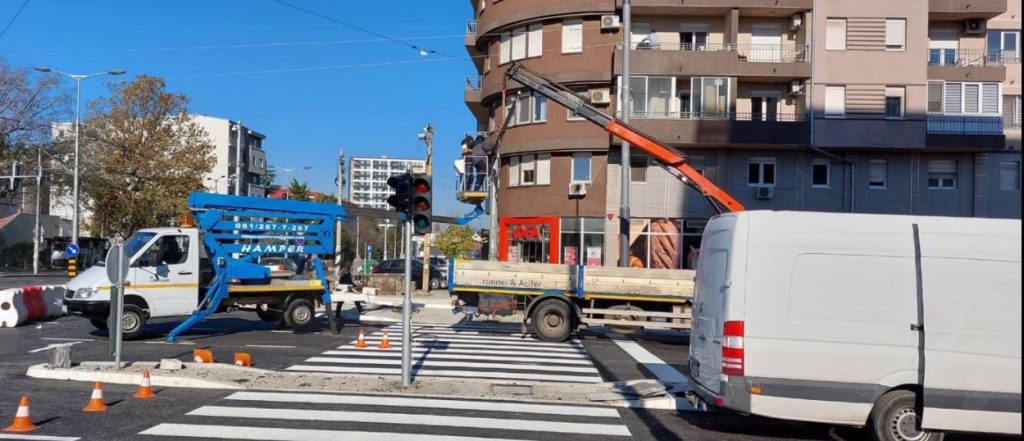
{"points": [[422, 204], [402, 187]]}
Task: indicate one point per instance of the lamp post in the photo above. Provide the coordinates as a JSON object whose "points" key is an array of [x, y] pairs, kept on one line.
{"points": [[427, 136], [78, 122]]}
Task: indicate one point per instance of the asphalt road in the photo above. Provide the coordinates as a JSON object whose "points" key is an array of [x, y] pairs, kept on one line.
{"points": [[16, 280], [56, 405]]}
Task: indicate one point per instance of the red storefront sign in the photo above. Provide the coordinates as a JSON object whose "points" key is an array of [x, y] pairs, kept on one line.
{"points": [[528, 228]]}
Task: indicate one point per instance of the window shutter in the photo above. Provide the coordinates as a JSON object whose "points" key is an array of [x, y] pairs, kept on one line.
{"points": [[835, 37], [536, 40], [878, 171], [1009, 175], [990, 98], [896, 33], [519, 43], [972, 98], [835, 101], [572, 36], [942, 166], [506, 48], [954, 98], [513, 171], [544, 169], [935, 97]]}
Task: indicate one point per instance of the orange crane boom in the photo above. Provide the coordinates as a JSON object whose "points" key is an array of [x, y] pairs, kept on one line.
{"points": [[721, 200]]}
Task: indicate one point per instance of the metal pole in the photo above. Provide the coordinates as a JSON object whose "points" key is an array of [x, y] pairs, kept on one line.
{"points": [[426, 237], [238, 160], [624, 176], [386, 225], [341, 185], [120, 311], [38, 232], [75, 185], [407, 312]]}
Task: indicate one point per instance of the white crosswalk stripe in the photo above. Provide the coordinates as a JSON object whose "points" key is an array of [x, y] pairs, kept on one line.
{"points": [[442, 351], [315, 416]]}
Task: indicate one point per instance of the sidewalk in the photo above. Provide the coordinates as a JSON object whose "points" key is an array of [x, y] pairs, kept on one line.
{"points": [[46, 273]]}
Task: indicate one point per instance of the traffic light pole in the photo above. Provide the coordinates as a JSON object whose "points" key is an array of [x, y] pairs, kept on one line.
{"points": [[407, 310], [429, 139]]}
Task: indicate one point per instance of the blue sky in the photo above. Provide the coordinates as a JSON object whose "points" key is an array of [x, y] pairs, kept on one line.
{"points": [[307, 115]]}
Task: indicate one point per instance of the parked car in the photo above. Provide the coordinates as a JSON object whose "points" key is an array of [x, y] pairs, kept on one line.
{"points": [[910, 326], [279, 266], [397, 266]]}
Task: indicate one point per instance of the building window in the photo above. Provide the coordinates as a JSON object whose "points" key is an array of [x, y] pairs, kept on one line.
{"points": [[1011, 112], [895, 107], [573, 116], [581, 163], [895, 34], [1004, 46], [878, 174], [835, 101], [693, 36], [942, 174], [971, 98], [662, 244], [540, 108], [935, 94], [523, 42], [582, 241], [835, 34], [1009, 175], [572, 36], [505, 43], [535, 41], [710, 97], [761, 172], [528, 170], [519, 42], [821, 173], [638, 169], [529, 108], [651, 97], [492, 116]]}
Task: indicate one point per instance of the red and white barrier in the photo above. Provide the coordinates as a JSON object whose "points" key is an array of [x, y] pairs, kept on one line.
{"points": [[30, 303]]}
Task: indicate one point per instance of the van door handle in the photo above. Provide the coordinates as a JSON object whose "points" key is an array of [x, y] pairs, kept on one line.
{"points": [[916, 327], [184, 273], [702, 338]]}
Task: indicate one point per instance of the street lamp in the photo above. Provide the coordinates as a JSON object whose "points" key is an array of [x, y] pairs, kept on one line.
{"points": [[78, 122]]}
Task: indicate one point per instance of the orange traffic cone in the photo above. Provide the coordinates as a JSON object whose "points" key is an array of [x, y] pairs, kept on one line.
{"points": [[384, 343], [361, 342], [145, 391], [96, 403], [22, 419]]}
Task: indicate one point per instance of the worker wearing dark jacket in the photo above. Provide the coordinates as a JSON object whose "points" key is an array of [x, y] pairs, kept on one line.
{"points": [[482, 150]]}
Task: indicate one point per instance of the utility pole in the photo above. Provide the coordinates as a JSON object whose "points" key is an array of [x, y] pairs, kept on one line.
{"points": [[340, 181], [407, 310], [428, 137], [36, 237], [238, 159], [626, 102]]}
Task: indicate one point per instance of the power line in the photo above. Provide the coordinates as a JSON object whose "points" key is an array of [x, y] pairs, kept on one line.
{"points": [[308, 69], [16, 14]]}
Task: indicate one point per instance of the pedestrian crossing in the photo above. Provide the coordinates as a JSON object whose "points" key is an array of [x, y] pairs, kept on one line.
{"points": [[461, 352], [291, 416]]}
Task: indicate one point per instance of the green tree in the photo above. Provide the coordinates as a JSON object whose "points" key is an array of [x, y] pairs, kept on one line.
{"points": [[145, 154], [456, 241], [298, 191], [327, 199], [270, 177]]}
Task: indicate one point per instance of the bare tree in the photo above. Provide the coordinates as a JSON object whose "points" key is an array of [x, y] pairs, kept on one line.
{"points": [[29, 103]]}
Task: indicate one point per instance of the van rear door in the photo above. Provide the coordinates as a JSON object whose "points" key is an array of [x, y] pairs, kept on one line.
{"points": [[711, 293]]}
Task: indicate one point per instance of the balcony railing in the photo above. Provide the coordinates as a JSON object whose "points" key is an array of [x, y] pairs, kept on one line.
{"points": [[965, 125], [471, 27], [474, 83], [971, 57], [720, 116], [473, 175], [754, 53]]}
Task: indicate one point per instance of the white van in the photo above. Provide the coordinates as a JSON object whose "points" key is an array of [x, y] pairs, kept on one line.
{"points": [[908, 325]]}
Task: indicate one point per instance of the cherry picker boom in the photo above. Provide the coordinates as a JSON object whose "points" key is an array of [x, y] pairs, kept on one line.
{"points": [[721, 200]]}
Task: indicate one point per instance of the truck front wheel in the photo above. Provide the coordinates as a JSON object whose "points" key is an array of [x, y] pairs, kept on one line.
{"points": [[300, 314], [553, 320], [133, 322]]}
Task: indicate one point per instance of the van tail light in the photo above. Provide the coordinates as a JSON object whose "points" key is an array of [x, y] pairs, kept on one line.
{"points": [[732, 349]]}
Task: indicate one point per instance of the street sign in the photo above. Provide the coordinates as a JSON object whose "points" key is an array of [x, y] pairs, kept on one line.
{"points": [[117, 264], [72, 250]]}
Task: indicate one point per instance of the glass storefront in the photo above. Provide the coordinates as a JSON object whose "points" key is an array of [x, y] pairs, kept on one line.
{"points": [[582, 241], [664, 243]]}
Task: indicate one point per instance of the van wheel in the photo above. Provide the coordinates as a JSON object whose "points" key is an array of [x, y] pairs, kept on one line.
{"points": [[435, 283], [552, 320], [300, 314], [895, 418], [99, 324], [133, 322]]}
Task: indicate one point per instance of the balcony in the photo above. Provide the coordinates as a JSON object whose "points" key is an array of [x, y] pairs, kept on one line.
{"points": [[473, 96], [752, 61], [475, 53], [969, 64], [712, 128], [972, 132], [965, 9], [719, 7]]}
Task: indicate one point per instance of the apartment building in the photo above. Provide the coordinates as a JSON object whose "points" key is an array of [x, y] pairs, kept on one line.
{"points": [[823, 105], [225, 135], [368, 178]]}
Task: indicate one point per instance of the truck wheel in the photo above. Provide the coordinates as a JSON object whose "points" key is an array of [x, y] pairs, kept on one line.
{"points": [[895, 418], [552, 320], [269, 315], [99, 324], [300, 314], [133, 322], [624, 315]]}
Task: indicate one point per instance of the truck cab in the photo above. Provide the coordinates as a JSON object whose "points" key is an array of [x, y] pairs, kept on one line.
{"points": [[166, 278]]}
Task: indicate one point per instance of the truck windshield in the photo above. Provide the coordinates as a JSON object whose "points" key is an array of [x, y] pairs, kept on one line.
{"points": [[136, 242]]}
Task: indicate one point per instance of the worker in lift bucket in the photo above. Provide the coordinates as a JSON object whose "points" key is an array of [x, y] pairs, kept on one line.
{"points": [[482, 150]]}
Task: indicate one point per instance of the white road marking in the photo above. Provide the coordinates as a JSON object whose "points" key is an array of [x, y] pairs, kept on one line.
{"points": [[429, 336], [431, 362], [38, 437], [469, 355], [657, 366], [48, 347], [412, 419], [448, 373], [67, 339], [430, 403], [271, 346], [459, 345], [274, 434]]}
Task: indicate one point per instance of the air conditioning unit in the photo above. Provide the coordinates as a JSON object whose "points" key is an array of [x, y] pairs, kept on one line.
{"points": [[796, 22], [601, 96], [765, 192], [974, 26], [610, 22], [577, 189], [796, 87]]}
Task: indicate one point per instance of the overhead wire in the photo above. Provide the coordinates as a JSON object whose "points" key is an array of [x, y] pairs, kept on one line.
{"points": [[13, 19]]}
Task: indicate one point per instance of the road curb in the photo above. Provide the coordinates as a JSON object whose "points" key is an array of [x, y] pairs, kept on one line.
{"points": [[113, 377]]}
